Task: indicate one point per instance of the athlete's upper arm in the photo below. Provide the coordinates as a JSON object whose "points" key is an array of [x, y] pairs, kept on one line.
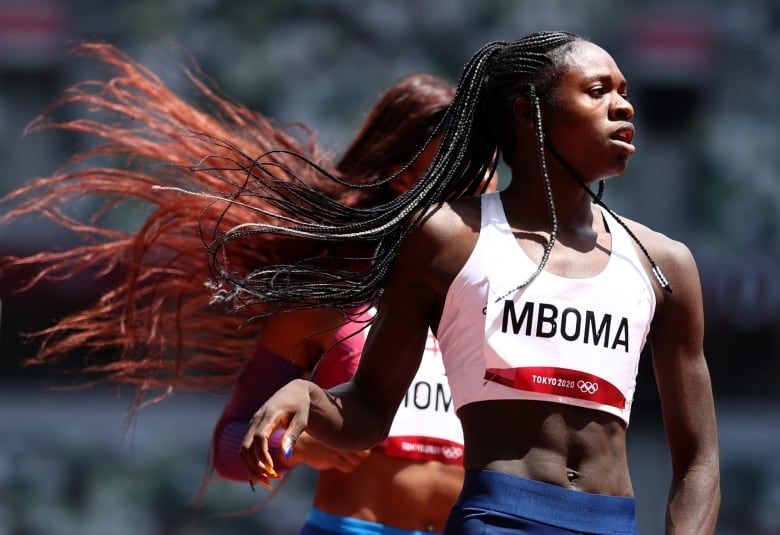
{"points": [[682, 376], [397, 337]]}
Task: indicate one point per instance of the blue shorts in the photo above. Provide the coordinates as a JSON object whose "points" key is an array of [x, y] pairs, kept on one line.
{"points": [[321, 523], [494, 503]]}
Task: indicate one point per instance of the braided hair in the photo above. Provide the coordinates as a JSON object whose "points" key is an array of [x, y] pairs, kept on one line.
{"points": [[474, 130]]}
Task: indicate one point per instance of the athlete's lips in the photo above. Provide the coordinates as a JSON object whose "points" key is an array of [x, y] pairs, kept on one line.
{"points": [[624, 135]]}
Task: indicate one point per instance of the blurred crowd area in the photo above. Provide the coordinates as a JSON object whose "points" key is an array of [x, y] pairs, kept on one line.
{"points": [[703, 76]]}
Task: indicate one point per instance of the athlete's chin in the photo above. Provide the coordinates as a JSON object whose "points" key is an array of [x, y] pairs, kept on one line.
{"points": [[606, 169], [609, 175], [619, 167]]}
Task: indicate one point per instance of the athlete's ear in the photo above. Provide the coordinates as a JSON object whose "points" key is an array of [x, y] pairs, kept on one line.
{"points": [[521, 111]]}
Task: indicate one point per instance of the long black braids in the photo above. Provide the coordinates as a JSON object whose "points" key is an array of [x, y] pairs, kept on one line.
{"points": [[475, 130], [467, 153]]}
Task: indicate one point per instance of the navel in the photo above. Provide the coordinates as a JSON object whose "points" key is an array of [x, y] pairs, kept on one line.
{"points": [[573, 476]]}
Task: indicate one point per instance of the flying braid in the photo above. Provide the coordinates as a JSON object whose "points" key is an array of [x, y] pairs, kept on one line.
{"points": [[497, 74]]}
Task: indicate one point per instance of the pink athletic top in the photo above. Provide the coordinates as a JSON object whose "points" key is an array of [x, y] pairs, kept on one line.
{"points": [[265, 373], [425, 427], [569, 341]]}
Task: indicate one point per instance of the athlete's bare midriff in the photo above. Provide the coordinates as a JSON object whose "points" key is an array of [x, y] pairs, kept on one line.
{"points": [[563, 445], [395, 492]]}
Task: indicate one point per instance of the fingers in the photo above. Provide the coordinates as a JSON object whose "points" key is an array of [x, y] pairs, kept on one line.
{"points": [[256, 457], [254, 467], [256, 447], [286, 411], [262, 481]]}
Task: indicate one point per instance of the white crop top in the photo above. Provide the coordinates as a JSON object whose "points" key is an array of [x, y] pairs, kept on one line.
{"points": [[569, 341]]}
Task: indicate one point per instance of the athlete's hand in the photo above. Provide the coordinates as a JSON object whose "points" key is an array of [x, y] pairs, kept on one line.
{"points": [[309, 450], [287, 409]]}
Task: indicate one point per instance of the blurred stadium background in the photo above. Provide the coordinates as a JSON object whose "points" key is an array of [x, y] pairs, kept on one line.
{"points": [[704, 77]]}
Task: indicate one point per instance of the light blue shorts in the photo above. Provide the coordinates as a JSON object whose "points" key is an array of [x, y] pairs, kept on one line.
{"points": [[321, 523], [494, 503]]}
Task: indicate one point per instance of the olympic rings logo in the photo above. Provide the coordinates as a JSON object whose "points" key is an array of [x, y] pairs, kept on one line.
{"points": [[452, 452], [587, 387]]}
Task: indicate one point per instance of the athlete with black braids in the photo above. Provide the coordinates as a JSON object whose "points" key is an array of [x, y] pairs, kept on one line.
{"points": [[541, 297]]}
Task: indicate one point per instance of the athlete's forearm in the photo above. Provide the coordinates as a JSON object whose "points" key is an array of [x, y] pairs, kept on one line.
{"points": [[341, 418], [694, 502]]}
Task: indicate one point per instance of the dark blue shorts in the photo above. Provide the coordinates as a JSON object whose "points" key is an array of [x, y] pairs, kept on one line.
{"points": [[493, 503]]}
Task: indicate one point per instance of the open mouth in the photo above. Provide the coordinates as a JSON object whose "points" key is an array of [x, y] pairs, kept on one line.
{"points": [[624, 134]]}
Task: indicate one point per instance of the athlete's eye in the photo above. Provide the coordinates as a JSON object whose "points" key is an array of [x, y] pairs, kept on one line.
{"points": [[597, 92]]}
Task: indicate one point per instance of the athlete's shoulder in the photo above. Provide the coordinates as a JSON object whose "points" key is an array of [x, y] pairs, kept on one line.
{"points": [[659, 245], [441, 242], [446, 221], [673, 257]]}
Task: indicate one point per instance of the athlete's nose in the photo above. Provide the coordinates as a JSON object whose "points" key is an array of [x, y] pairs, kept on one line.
{"points": [[622, 109]]}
